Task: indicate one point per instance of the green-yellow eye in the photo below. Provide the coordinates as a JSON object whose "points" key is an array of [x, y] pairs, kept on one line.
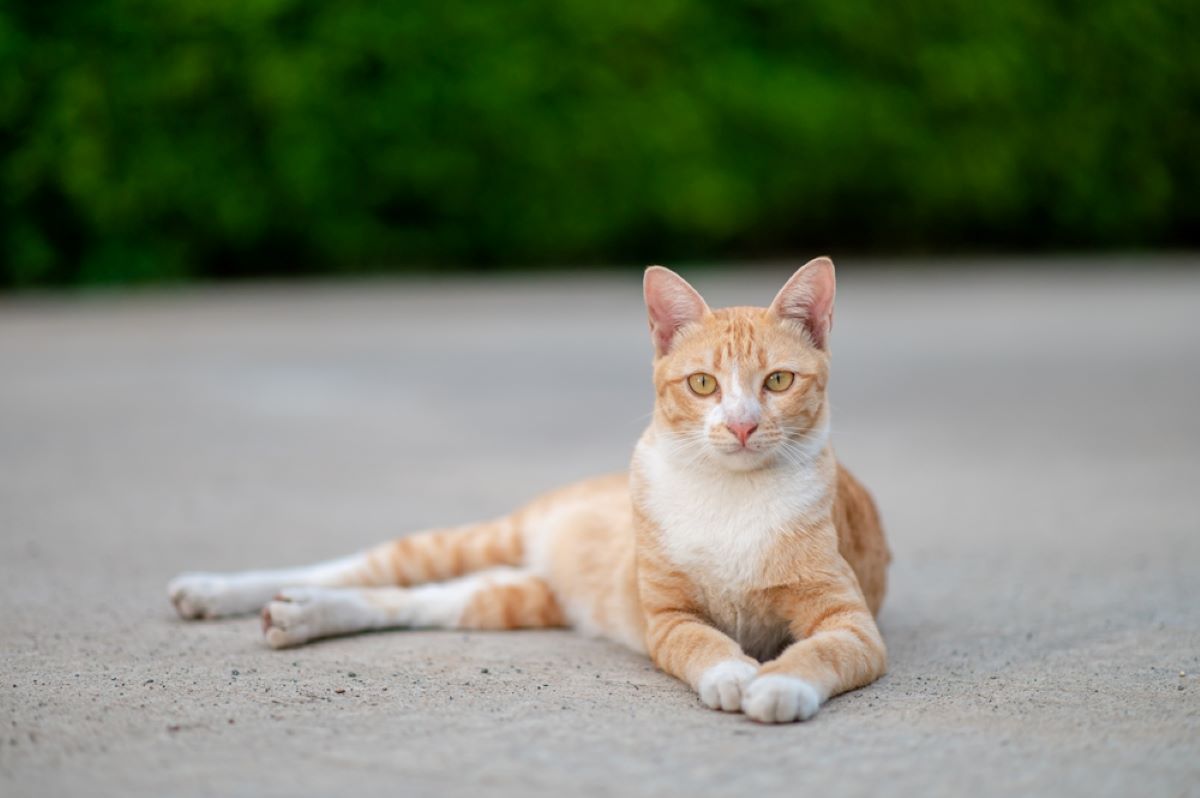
{"points": [[703, 384], [779, 381]]}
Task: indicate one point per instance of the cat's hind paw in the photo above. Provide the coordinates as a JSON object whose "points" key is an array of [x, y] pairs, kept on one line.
{"points": [[204, 596], [722, 685], [292, 618], [776, 698], [300, 614]]}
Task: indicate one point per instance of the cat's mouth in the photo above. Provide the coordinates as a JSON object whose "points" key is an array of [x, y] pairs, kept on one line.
{"points": [[749, 447], [755, 444], [743, 457]]}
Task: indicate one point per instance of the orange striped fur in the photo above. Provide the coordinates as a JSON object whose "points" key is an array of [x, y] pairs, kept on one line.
{"points": [[737, 552]]}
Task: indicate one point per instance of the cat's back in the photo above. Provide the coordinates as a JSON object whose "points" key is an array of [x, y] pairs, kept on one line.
{"points": [[593, 513], [861, 541]]}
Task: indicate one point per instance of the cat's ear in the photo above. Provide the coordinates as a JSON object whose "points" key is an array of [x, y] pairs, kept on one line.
{"points": [[808, 298], [672, 305]]}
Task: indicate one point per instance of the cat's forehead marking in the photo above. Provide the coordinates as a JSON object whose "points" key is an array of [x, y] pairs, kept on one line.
{"points": [[738, 330]]}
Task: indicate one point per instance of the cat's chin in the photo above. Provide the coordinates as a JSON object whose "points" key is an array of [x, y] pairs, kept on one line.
{"points": [[744, 459]]}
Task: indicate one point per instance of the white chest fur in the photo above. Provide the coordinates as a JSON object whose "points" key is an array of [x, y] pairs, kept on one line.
{"points": [[720, 526]]}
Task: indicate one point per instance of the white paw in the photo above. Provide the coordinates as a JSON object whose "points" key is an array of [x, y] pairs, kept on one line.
{"points": [[292, 618], [206, 596], [722, 685], [780, 699], [300, 614]]}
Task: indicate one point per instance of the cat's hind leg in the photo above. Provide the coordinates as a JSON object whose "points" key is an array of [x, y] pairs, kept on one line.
{"points": [[501, 598], [423, 557], [216, 595]]}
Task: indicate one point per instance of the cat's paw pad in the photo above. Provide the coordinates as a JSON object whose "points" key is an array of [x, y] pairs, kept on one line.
{"points": [[775, 698], [200, 595], [722, 685], [293, 617]]}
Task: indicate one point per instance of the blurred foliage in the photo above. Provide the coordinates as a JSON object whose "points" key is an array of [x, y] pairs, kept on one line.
{"points": [[142, 139]]}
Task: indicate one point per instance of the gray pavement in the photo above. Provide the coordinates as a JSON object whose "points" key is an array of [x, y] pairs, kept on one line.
{"points": [[1032, 437]]}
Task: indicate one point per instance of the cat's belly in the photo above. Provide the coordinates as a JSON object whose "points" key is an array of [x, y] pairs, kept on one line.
{"points": [[761, 633]]}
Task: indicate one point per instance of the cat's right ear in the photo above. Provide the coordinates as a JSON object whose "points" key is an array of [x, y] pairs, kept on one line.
{"points": [[672, 305]]}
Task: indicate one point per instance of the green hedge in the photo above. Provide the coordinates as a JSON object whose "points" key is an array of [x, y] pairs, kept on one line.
{"points": [[163, 139]]}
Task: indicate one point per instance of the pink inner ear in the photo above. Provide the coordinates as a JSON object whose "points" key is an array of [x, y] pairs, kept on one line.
{"points": [[663, 333], [808, 298], [672, 304]]}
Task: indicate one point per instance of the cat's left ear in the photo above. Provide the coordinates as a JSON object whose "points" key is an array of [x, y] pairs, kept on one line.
{"points": [[808, 299], [672, 305]]}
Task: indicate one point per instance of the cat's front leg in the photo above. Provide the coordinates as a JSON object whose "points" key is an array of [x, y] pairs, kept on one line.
{"points": [[690, 649], [683, 643], [838, 648]]}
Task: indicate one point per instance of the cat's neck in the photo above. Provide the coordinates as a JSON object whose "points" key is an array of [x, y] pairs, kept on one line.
{"points": [[722, 525], [799, 486]]}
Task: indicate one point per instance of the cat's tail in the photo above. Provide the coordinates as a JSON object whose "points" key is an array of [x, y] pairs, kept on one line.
{"points": [[440, 554]]}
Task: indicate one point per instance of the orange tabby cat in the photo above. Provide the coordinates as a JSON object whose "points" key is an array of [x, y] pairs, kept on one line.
{"points": [[737, 553]]}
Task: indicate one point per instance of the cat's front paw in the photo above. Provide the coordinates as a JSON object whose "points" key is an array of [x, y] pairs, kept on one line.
{"points": [[776, 698], [722, 685]]}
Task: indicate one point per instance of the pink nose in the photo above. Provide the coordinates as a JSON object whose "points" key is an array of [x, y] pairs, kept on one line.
{"points": [[742, 429]]}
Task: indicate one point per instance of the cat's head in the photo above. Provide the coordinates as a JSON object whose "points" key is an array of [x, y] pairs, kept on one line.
{"points": [[742, 387]]}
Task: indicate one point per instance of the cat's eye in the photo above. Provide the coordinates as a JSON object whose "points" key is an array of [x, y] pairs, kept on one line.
{"points": [[703, 384], [779, 381]]}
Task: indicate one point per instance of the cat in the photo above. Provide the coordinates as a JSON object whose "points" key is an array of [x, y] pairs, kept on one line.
{"points": [[737, 553]]}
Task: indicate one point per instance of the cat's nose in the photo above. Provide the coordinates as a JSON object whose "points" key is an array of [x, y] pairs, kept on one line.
{"points": [[742, 429]]}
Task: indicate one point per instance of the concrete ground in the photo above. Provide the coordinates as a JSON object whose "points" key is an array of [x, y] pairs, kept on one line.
{"points": [[1032, 436]]}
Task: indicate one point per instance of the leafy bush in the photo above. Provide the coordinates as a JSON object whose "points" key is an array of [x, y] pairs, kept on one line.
{"points": [[142, 139]]}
